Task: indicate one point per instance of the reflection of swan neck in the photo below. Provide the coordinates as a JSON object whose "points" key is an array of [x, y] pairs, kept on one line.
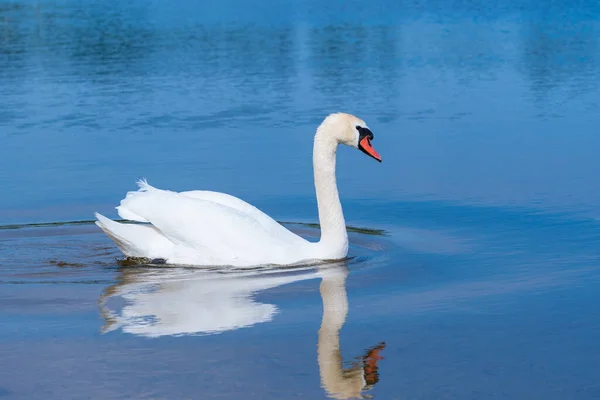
{"points": [[339, 383], [335, 301], [331, 216]]}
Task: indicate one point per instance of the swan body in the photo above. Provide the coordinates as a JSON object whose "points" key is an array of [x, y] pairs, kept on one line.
{"points": [[210, 228]]}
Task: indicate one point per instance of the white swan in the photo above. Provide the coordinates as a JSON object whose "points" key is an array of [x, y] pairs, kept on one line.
{"points": [[209, 228]]}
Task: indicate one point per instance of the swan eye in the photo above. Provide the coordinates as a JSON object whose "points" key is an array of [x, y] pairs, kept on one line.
{"points": [[362, 131]]}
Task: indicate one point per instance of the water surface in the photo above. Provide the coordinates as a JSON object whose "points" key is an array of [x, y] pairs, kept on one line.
{"points": [[476, 268]]}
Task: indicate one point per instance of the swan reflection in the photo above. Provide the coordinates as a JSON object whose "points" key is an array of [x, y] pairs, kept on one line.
{"points": [[167, 302], [339, 382]]}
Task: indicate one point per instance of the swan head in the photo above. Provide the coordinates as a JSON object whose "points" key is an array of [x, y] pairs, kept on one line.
{"points": [[351, 131]]}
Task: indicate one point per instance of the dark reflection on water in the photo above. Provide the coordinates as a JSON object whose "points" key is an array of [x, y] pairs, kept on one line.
{"points": [[88, 86], [353, 61], [561, 56], [226, 73]]}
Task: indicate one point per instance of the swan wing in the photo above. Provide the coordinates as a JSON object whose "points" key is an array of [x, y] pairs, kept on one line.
{"points": [[219, 232], [246, 208]]}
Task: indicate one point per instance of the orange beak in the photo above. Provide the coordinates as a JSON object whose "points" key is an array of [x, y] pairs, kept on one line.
{"points": [[365, 146]]}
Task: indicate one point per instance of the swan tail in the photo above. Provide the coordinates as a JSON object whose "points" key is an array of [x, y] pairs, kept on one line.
{"points": [[134, 240], [144, 185], [114, 230], [125, 208]]}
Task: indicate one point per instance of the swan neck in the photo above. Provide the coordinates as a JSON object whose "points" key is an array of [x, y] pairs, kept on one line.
{"points": [[331, 217]]}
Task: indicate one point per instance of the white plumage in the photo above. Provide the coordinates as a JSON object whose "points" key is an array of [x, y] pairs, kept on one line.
{"points": [[209, 228]]}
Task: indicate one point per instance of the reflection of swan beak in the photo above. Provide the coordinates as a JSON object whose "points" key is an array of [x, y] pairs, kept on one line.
{"points": [[371, 370]]}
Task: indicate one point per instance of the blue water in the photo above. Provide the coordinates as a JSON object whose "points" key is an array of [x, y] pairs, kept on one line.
{"points": [[477, 260]]}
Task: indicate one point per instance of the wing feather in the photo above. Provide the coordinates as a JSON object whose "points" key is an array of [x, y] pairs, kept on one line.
{"points": [[228, 229]]}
